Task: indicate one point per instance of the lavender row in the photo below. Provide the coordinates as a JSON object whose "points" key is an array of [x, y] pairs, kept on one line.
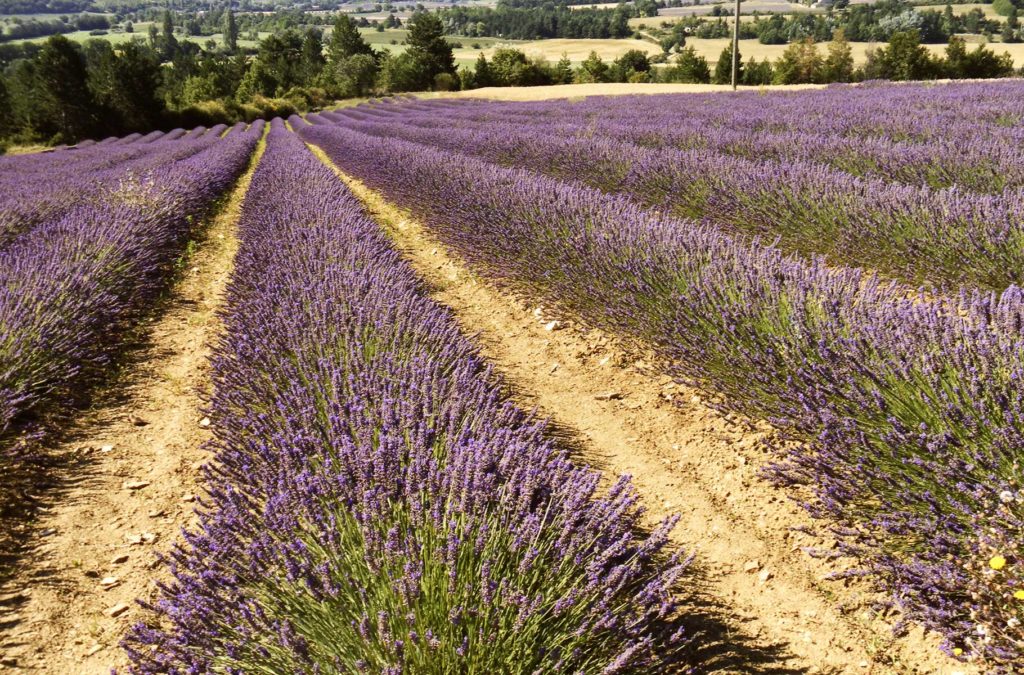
{"points": [[41, 191], [908, 411], [379, 505], [71, 287], [899, 112], [981, 165], [947, 237]]}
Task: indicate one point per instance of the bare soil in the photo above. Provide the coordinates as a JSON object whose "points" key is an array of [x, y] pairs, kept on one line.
{"points": [[129, 473], [760, 602]]}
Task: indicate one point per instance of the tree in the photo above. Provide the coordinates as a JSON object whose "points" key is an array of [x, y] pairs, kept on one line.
{"points": [[346, 40], [633, 66], [230, 32], [676, 39], [125, 85], [428, 48], [1009, 32], [401, 73], [980, 64], [129, 27], [511, 68], [27, 96], [904, 58], [689, 68], [562, 73], [168, 43], [6, 111], [593, 69], [839, 61], [757, 73], [800, 63], [723, 69], [312, 61], [278, 66], [482, 75], [949, 22], [69, 110], [1003, 7], [200, 88], [354, 76]]}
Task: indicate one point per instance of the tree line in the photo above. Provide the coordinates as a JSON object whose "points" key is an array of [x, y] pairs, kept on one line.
{"points": [[876, 22], [902, 58], [542, 19], [62, 92]]}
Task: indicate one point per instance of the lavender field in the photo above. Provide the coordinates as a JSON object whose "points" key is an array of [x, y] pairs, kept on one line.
{"points": [[835, 271]]}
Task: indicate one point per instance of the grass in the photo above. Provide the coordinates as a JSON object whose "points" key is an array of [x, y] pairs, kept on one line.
{"points": [[960, 10], [578, 50]]}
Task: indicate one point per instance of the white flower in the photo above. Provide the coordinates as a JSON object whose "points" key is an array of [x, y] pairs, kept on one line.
{"points": [[1013, 622], [1006, 496], [981, 630]]}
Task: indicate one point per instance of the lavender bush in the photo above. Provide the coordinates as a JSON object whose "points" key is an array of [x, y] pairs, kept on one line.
{"points": [[909, 409], [72, 286], [378, 505], [35, 190]]}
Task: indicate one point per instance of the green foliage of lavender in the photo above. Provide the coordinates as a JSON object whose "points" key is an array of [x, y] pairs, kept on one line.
{"points": [[378, 504]]}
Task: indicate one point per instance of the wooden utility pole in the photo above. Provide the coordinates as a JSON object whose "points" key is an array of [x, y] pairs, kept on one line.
{"points": [[736, 47]]}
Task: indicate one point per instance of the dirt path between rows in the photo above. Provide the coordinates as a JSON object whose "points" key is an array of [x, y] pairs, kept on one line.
{"points": [[765, 604], [130, 471]]}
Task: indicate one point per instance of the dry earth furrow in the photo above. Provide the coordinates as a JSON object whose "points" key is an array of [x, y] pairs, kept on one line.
{"points": [[130, 475], [768, 606]]}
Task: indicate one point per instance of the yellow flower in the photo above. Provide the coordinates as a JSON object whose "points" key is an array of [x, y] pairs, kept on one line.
{"points": [[1019, 595], [957, 651], [997, 562]]}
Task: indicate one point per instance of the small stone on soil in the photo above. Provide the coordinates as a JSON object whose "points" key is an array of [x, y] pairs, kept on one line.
{"points": [[552, 325], [751, 566], [118, 560], [188, 498], [108, 582], [765, 576], [205, 422], [106, 448], [117, 610], [135, 484], [609, 396], [138, 421]]}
